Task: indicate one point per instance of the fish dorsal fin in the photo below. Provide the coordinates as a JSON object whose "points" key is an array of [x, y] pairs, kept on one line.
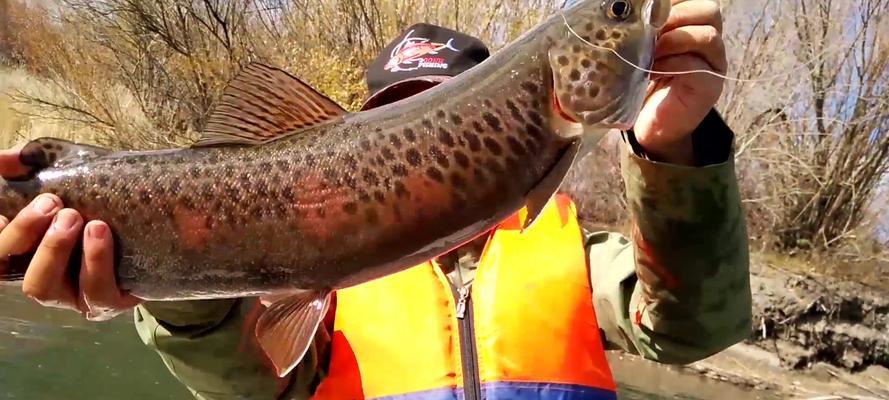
{"points": [[43, 153], [262, 104], [540, 195], [286, 329]]}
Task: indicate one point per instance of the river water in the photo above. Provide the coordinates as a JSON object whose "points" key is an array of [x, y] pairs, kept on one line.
{"points": [[54, 354]]}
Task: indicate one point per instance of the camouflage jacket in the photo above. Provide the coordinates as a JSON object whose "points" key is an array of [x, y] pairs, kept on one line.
{"points": [[676, 291]]}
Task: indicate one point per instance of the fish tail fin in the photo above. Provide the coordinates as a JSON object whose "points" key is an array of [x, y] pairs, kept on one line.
{"points": [[450, 45]]}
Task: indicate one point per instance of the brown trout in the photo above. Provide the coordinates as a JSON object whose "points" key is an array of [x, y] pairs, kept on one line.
{"points": [[288, 193]]}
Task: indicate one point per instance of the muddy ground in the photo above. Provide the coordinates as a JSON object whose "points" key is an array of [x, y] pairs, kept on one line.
{"points": [[814, 337]]}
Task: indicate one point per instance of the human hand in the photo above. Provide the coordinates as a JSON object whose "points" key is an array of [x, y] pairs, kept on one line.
{"points": [[51, 233], [676, 104]]}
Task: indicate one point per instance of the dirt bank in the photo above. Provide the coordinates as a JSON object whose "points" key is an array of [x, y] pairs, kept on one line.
{"points": [[814, 337]]}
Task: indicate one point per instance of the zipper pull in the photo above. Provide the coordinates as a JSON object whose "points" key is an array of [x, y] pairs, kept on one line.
{"points": [[461, 302]]}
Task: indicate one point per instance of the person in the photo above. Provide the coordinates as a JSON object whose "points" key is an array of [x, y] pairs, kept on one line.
{"points": [[513, 314]]}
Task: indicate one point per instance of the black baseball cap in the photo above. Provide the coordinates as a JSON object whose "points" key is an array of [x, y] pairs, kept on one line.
{"points": [[421, 54]]}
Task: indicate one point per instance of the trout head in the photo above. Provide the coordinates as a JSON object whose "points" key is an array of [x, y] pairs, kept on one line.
{"points": [[592, 85]]}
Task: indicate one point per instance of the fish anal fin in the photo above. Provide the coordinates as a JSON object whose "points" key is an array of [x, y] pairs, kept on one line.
{"points": [[286, 329], [43, 153], [263, 103], [539, 196]]}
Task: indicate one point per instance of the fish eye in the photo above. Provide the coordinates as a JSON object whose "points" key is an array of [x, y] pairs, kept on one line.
{"points": [[619, 9]]}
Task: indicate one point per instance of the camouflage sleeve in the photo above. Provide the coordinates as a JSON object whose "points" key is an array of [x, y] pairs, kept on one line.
{"points": [[210, 348], [678, 290]]}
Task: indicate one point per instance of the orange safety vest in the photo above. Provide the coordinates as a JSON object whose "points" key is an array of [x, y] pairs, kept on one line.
{"points": [[531, 316]]}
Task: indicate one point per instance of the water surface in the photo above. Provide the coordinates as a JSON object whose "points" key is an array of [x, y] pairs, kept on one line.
{"points": [[54, 354]]}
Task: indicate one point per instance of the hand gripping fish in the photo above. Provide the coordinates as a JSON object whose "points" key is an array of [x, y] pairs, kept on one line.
{"points": [[288, 195]]}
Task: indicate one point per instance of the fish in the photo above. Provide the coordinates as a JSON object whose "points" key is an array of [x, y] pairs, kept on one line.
{"points": [[412, 49], [288, 196]]}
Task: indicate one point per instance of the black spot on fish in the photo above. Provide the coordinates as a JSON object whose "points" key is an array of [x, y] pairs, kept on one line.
{"points": [[369, 177], [456, 119], [493, 146], [310, 158], [351, 162], [562, 60], [439, 157], [363, 195], [287, 193], [574, 75], [446, 138], [103, 179], [371, 216], [349, 181], [387, 153], [378, 161], [530, 145], [379, 196], [601, 34], [461, 158], [395, 140], [474, 144], [530, 87], [457, 180], [576, 48], [515, 146], [399, 170], [330, 174], [586, 63], [427, 123], [492, 121], [514, 111], [594, 91], [488, 103], [365, 144], [410, 135], [478, 127], [401, 190], [536, 118], [413, 157], [534, 131], [440, 114], [435, 174]]}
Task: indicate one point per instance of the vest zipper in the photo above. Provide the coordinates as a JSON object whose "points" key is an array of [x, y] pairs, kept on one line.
{"points": [[468, 352]]}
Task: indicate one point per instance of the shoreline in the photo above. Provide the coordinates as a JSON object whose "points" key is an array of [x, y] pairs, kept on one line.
{"points": [[814, 337]]}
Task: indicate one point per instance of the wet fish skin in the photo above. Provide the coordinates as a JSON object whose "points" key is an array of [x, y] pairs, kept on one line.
{"points": [[362, 195]]}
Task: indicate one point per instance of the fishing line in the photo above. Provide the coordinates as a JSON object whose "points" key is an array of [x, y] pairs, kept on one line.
{"points": [[695, 71]]}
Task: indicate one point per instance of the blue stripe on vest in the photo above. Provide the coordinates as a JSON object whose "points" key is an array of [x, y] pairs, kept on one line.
{"points": [[513, 391], [434, 394], [543, 391]]}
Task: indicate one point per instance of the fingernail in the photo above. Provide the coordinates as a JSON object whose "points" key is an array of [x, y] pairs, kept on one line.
{"points": [[64, 221], [44, 204], [97, 231]]}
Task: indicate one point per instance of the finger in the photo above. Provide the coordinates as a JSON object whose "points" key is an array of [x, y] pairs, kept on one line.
{"points": [[700, 40], [10, 164], [46, 280], [26, 229], [693, 12], [99, 292], [703, 89]]}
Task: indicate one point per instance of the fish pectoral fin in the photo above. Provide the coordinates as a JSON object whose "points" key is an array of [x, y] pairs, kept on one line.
{"points": [[262, 104], [286, 329], [43, 153], [540, 195]]}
